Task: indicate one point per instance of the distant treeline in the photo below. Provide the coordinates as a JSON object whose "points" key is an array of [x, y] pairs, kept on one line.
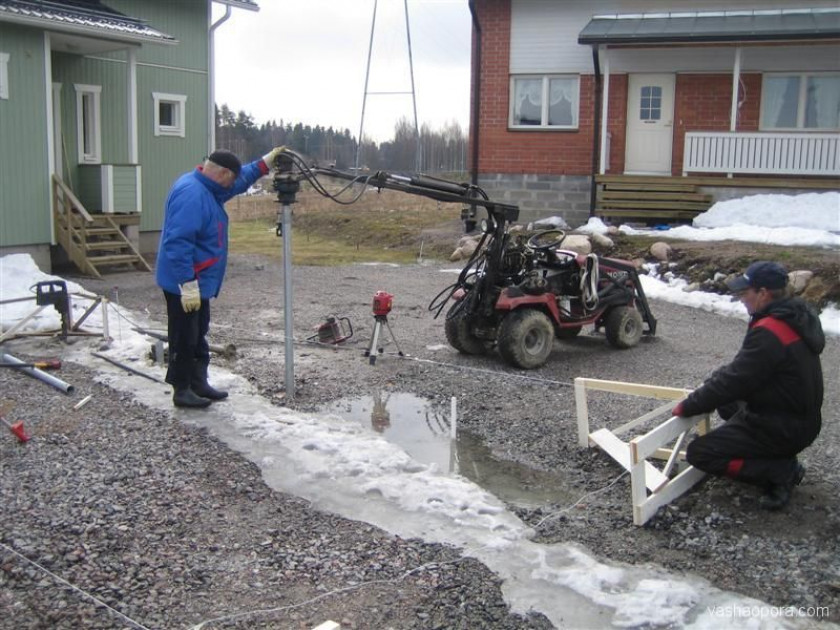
{"points": [[441, 151]]}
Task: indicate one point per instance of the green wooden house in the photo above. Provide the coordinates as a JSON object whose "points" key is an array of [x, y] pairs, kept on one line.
{"points": [[103, 103]]}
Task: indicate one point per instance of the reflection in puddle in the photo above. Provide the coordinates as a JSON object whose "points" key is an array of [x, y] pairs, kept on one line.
{"points": [[423, 430]]}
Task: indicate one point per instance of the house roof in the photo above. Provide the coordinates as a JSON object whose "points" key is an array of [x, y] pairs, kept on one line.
{"points": [[84, 17], [713, 26]]}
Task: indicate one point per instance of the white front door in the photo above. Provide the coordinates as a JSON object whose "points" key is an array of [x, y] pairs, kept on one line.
{"points": [[650, 124]]}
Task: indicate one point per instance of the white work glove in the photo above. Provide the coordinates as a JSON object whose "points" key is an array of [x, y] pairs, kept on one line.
{"points": [[269, 157], [190, 296]]}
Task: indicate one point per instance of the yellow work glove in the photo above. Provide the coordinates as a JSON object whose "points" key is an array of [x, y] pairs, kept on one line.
{"points": [[190, 296], [269, 157]]}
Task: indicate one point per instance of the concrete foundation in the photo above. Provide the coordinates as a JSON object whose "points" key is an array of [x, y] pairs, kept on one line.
{"points": [[540, 196], [40, 254]]}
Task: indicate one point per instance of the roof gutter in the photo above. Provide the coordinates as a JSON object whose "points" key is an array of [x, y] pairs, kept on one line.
{"points": [[476, 105], [211, 83], [596, 129]]}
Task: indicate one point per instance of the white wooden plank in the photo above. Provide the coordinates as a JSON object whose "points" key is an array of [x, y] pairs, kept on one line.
{"points": [[645, 445], [582, 413], [620, 452], [635, 389], [675, 488]]}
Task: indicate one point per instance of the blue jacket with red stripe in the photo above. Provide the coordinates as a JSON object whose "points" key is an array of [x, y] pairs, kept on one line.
{"points": [[194, 240], [777, 373]]}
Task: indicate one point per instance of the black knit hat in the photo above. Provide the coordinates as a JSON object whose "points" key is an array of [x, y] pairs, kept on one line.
{"points": [[225, 158]]}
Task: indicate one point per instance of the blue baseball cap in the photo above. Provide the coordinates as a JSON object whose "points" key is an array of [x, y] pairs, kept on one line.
{"points": [[760, 275]]}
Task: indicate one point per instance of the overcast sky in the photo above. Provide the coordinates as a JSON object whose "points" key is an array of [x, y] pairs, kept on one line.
{"points": [[304, 61]]}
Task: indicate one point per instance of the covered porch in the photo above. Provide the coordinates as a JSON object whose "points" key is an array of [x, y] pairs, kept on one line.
{"points": [[710, 102]]}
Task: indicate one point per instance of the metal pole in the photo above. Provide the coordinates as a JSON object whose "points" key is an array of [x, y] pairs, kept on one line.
{"points": [[364, 98], [418, 152], [288, 315], [49, 379]]}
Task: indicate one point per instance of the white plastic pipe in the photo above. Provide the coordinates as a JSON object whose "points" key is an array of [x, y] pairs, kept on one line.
{"points": [[49, 379]]}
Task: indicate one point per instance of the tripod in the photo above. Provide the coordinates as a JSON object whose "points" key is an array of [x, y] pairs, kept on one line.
{"points": [[374, 348]]}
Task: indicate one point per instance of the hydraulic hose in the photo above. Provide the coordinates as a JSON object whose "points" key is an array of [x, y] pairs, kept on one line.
{"points": [[589, 283]]}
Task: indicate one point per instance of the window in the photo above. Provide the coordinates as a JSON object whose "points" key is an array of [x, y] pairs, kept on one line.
{"points": [[88, 125], [548, 102], [800, 101], [4, 75], [170, 114], [650, 103]]}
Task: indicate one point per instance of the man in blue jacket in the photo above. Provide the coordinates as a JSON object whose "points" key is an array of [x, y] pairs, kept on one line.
{"points": [[770, 394], [191, 262]]}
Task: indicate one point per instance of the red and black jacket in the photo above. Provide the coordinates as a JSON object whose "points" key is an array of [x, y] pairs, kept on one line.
{"points": [[777, 372]]}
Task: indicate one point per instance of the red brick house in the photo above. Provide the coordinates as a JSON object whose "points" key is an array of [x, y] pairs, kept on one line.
{"points": [[575, 103]]}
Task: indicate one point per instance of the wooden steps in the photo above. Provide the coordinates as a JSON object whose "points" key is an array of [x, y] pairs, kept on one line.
{"points": [[93, 242], [649, 200]]}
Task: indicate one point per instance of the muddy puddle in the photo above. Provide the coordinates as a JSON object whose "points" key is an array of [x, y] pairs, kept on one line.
{"points": [[424, 429]]}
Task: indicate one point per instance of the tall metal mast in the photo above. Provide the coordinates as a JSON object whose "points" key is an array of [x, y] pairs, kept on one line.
{"points": [[418, 155]]}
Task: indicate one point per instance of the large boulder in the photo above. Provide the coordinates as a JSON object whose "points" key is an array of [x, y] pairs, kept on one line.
{"points": [[466, 246], [799, 279], [661, 251], [577, 243]]}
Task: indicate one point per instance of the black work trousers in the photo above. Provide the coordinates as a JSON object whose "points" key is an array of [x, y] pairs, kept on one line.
{"points": [[189, 352], [737, 450]]}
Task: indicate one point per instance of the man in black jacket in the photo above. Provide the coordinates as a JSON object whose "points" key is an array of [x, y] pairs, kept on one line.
{"points": [[770, 394]]}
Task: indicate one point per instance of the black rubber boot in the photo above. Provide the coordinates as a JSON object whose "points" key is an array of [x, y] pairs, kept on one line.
{"points": [[205, 390], [185, 397], [778, 494], [200, 385]]}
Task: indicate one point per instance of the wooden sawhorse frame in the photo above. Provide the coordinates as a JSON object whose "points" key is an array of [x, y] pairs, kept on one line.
{"points": [[633, 455]]}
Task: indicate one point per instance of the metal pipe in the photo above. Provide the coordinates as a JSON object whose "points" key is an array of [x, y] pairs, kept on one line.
{"points": [[288, 314], [228, 351], [211, 83], [49, 379], [476, 105], [128, 368], [596, 128]]}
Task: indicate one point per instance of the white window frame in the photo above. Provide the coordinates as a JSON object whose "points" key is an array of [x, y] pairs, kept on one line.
{"points": [[4, 75], [90, 125], [179, 103], [546, 82], [801, 104]]}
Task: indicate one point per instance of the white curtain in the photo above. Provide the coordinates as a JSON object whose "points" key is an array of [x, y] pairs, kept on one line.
{"points": [[563, 101], [527, 108]]}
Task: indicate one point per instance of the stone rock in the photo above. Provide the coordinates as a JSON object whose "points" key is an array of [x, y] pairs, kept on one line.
{"points": [[799, 280], [577, 243], [465, 249], [602, 240], [661, 251], [551, 223]]}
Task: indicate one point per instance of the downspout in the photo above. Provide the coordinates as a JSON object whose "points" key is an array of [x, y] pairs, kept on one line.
{"points": [[211, 83], [596, 131], [476, 109]]}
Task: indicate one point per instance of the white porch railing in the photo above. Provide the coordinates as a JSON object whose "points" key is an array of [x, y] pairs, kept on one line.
{"points": [[762, 153]]}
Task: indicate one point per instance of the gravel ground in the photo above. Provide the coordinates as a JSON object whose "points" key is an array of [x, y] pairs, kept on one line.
{"points": [[183, 530]]}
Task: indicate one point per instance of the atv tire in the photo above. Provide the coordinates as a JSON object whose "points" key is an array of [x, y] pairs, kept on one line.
{"points": [[458, 333], [623, 327], [525, 338]]}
